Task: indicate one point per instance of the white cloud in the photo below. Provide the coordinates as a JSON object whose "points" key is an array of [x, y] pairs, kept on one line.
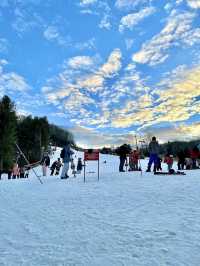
{"points": [[174, 33], [12, 82], [87, 2], [105, 22], [23, 21], [52, 33], [87, 137], [131, 20], [113, 65], [194, 3], [181, 132], [129, 4], [89, 45], [80, 62], [80, 84]]}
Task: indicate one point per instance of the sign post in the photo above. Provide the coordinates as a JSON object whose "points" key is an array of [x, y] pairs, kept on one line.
{"points": [[91, 155]]}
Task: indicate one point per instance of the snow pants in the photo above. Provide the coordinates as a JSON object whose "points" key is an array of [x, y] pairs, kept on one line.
{"points": [[169, 166], [44, 169], [121, 164], [65, 170], [153, 159]]}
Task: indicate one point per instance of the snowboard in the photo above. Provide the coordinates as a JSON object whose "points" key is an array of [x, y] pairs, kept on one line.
{"points": [[167, 173]]}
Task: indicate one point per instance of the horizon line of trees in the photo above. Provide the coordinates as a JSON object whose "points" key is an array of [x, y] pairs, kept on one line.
{"points": [[32, 134], [173, 147]]}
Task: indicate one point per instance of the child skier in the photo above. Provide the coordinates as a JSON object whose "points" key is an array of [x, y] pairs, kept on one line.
{"points": [[15, 171], [133, 161], [169, 161], [53, 167], [79, 166], [58, 166], [22, 171]]}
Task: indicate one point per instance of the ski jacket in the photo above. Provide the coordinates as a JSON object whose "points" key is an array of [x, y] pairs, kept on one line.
{"points": [[46, 160], [194, 154], [168, 160], [67, 154], [154, 147], [134, 157], [54, 164], [58, 165]]}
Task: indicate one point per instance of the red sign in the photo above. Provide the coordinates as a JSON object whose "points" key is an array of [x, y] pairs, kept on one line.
{"points": [[91, 155]]}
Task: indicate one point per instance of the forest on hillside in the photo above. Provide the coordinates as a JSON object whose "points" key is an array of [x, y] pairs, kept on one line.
{"points": [[32, 134]]}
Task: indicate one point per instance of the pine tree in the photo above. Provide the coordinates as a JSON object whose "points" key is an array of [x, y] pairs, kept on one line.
{"points": [[8, 121]]}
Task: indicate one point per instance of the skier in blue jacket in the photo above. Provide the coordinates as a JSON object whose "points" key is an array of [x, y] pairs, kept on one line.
{"points": [[66, 155], [154, 151]]}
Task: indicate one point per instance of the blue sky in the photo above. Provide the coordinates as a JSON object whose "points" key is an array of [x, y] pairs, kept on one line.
{"points": [[107, 70]]}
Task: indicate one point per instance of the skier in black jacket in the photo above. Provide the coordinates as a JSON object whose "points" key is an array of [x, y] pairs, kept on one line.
{"points": [[123, 151]]}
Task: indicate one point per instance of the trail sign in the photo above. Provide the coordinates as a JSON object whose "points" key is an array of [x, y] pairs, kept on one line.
{"points": [[91, 155]]}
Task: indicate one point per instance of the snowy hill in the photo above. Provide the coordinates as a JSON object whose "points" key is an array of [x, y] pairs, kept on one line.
{"points": [[124, 219]]}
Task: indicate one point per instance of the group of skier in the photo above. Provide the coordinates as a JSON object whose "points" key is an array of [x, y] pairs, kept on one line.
{"points": [[18, 171], [66, 156], [187, 159]]}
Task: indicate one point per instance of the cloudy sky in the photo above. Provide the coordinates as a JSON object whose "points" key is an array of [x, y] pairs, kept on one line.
{"points": [[106, 69]]}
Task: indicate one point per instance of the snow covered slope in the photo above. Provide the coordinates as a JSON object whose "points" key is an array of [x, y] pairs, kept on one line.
{"points": [[124, 219]]}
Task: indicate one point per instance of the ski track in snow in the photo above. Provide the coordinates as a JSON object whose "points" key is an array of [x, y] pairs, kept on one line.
{"points": [[124, 219]]}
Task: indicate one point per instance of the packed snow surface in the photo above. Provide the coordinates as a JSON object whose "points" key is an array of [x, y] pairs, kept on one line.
{"points": [[124, 219]]}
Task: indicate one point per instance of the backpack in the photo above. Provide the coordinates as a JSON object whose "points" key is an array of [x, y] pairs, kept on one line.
{"points": [[62, 154]]}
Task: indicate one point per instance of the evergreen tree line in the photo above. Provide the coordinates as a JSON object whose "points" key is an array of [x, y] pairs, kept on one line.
{"points": [[32, 134]]}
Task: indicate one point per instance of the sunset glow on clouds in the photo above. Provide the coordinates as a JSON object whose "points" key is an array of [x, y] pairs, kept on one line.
{"points": [[107, 70]]}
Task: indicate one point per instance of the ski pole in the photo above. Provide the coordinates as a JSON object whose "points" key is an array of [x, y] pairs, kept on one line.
{"points": [[28, 163]]}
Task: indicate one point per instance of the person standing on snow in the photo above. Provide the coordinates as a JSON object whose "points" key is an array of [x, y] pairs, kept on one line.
{"points": [[45, 162], [154, 151], [66, 155], [53, 167], [123, 151], [79, 166], [134, 160], [58, 166]]}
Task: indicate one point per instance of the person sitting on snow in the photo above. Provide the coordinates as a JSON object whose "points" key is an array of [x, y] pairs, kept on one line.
{"points": [[169, 161], [133, 161], [154, 151]]}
